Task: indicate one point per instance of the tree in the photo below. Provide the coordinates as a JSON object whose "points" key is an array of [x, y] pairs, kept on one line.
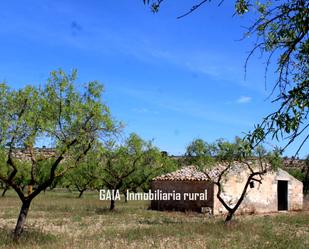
{"points": [[154, 163], [281, 32], [70, 119], [83, 177], [199, 152], [223, 156], [119, 162], [131, 165]]}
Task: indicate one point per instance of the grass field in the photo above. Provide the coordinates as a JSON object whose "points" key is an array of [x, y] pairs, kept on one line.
{"points": [[60, 220]]}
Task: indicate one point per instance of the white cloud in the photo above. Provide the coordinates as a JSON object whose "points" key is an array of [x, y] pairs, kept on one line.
{"points": [[244, 99]]}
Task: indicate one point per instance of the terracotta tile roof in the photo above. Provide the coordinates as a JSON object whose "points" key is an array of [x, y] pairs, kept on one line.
{"points": [[188, 173], [191, 173]]}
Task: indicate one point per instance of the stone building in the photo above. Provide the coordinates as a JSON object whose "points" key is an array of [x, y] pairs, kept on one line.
{"points": [[277, 191]]}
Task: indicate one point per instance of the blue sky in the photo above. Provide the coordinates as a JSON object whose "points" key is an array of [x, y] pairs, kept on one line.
{"points": [[166, 79]]}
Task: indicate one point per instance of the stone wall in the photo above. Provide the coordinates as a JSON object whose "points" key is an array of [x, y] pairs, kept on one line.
{"points": [[262, 198], [182, 187], [25, 155]]}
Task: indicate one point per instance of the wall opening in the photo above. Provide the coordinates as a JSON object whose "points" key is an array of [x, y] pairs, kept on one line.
{"points": [[282, 195]]}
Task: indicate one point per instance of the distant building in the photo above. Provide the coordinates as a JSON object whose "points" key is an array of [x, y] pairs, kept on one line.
{"points": [[278, 191], [42, 153]]}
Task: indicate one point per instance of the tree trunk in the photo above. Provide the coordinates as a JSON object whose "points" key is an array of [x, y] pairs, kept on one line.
{"points": [[21, 219], [81, 193], [112, 206], [4, 191], [125, 197], [231, 211], [229, 217]]}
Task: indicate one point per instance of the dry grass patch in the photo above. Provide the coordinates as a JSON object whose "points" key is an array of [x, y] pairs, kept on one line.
{"points": [[58, 220]]}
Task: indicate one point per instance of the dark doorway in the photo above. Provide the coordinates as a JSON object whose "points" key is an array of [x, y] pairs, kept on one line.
{"points": [[282, 195]]}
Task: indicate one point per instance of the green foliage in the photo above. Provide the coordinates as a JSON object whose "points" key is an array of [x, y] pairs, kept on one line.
{"points": [[241, 6], [275, 159], [297, 173], [153, 164], [84, 176], [133, 164], [203, 154], [200, 153], [281, 27], [71, 119], [233, 151]]}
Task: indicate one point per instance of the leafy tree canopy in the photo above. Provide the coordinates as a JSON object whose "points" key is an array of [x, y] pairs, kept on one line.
{"points": [[205, 155], [71, 119], [131, 165]]}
